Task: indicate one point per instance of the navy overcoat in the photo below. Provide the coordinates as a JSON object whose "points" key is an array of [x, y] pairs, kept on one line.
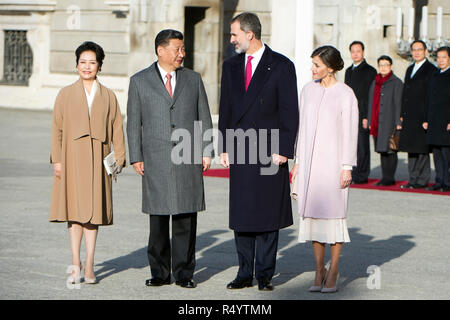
{"points": [[259, 202]]}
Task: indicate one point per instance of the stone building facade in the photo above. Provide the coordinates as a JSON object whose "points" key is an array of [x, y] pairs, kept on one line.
{"points": [[38, 38]]}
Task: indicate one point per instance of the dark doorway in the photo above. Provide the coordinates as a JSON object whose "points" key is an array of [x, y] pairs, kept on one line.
{"points": [[192, 16]]}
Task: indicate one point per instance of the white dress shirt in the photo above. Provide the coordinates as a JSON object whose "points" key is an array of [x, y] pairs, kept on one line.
{"points": [[417, 66], [173, 80], [90, 96], [256, 58], [442, 71]]}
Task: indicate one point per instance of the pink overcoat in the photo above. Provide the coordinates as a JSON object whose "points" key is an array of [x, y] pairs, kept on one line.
{"points": [[327, 140]]}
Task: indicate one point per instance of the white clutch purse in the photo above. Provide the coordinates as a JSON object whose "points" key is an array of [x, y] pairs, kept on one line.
{"points": [[110, 165]]}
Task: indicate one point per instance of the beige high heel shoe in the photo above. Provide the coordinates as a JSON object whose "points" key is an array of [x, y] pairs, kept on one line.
{"points": [[75, 276], [319, 288], [89, 280]]}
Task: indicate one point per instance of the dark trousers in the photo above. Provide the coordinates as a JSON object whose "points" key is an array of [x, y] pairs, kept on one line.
{"points": [[362, 170], [256, 251], [419, 168], [181, 257], [441, 156], [388, 166]]}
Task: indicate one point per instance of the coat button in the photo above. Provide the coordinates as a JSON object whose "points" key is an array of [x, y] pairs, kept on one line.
{"points": [[173, 126], [174, 144], [172, 107]]}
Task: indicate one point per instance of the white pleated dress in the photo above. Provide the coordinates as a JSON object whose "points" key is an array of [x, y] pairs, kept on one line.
{"points": [[323, 230]]}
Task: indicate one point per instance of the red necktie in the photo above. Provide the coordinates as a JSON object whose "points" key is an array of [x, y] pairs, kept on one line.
{"points": [[169, 84], [248, 72]]}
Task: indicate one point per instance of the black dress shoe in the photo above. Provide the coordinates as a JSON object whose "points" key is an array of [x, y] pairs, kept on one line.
{"points": [[189, 283], [383, 183], [444, 189], [265, 285], [418, 186], [157, 282], [434, 187], [240, 283], [406, 186], [360, 181]]}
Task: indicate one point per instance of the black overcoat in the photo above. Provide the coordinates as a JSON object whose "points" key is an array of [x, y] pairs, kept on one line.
{"points": [[259, 202], [413, 135], [438, 109], [359, 79]]}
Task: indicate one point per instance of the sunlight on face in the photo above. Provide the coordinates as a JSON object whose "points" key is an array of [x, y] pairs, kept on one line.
{"points": [[87, 65]]}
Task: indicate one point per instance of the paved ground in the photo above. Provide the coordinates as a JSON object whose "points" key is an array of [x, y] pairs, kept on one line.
{"points": [[404, 234]]}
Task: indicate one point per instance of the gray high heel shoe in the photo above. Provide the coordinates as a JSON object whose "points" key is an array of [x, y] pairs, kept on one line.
{"points": [[333, 289], [319, 288]]}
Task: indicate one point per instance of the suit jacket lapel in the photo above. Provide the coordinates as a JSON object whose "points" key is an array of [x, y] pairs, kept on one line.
{"points": [[154, 77], [258, 80], [181, 81]]}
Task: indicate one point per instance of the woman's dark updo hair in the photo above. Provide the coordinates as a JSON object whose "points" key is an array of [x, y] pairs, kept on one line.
{"points": [[330, 56], [91, 46]]}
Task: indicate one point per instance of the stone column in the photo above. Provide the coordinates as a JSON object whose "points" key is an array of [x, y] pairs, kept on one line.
{"points": [[304, 40]]}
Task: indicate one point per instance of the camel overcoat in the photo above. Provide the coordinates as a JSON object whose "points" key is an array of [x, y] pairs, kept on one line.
{"points": [[327, 140], [80, 142]]}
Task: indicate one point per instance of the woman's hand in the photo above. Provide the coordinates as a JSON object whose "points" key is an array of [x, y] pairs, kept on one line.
{"points": [[346, 178], [294, 171], [57, 170]]}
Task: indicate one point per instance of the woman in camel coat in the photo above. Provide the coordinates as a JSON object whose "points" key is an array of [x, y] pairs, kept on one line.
{"points": [[86, 120]]}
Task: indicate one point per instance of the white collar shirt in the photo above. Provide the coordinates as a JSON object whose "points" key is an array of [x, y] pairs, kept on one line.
{"points": [[256, 58], [90, 96], [173, 80]]}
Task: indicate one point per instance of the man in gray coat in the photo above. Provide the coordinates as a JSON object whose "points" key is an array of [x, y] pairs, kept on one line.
{"points": [[167, 114]]}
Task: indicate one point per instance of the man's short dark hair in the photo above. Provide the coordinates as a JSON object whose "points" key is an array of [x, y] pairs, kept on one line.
{"points": [[419, 41], [356, 42], [385, 57], [163, 38], [249, 22], [91, 46], [444, 48]]}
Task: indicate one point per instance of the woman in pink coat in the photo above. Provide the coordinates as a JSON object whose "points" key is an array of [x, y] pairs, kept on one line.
{"points": [[326, 152]]}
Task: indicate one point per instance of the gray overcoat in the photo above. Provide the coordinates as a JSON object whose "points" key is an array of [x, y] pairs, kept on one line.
{"points": [[153, 117], [390, 108]]}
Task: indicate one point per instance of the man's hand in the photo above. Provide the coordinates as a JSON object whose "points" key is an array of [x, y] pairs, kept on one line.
{"points": [[346, 178], [224, 160], [448, 126], [278, 160], [57, 170], [139, 167], [206, 161], [425, 125], [365, 123]]}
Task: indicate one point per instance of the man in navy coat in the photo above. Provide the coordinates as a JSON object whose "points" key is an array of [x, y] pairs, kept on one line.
{"points": [[258, 96]]}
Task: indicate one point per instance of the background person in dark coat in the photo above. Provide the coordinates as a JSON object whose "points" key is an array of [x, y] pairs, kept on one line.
{"points": [[260, 205], [359, 76], [384, 116], [438, 120], [412, 135]]}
